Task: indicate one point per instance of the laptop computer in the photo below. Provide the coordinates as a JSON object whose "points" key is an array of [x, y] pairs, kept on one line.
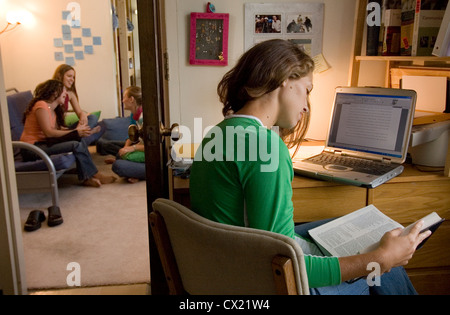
{"points": [[367, 139]]}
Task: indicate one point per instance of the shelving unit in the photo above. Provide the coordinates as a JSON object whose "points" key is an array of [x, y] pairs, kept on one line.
{"points": [[389, 61], [430, 268]]}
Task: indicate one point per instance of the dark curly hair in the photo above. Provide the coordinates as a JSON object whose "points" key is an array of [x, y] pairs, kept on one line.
{"points": [[47, 91]]}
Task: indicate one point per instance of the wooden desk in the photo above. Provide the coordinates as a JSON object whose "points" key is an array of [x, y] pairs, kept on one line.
{"points": [[405, 199]]}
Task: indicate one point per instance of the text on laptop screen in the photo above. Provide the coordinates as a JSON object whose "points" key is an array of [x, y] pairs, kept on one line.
{"points": [[370, 123]]}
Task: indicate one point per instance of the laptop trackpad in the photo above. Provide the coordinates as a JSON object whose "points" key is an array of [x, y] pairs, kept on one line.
{"points": [[339, 168]]}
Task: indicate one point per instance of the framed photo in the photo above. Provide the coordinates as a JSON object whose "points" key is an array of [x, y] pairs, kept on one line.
{"points": [[209, 39]]}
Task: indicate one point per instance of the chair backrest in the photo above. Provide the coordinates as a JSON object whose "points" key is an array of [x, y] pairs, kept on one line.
{"points": [[17, 103], [214, 258]]}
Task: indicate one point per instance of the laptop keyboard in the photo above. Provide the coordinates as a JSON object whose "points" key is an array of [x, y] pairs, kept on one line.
{"points": [[358, 165]]}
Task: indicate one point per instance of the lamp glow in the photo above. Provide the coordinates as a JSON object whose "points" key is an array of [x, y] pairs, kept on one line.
{"points": [[14, 19]]}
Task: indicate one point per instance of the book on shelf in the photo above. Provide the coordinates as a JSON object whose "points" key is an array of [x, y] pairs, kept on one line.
{"points": [[390, 31], [373, 32], [361, 231], [421, 21], [442, 45]]}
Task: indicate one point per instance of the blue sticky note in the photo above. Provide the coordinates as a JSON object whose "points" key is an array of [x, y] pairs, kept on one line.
{"points": [[97, 40], [67, 36], [70, 61], [66, 29], [79, 55], [58, 42], [59, 56], [76, 24], [65, 15], [68, 49], [86, 32], [88, 49], [77, 42]]}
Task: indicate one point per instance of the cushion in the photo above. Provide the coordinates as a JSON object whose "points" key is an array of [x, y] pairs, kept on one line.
{"points": [[71, 119], [116, 128], [136, 156], [17, 103], [61, 162]]}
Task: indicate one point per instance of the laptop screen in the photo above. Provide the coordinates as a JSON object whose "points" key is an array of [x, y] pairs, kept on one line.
{"points": [[371, 123]]}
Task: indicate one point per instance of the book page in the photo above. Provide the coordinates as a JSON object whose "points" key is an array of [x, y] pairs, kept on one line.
{"points": [[353, 233]]}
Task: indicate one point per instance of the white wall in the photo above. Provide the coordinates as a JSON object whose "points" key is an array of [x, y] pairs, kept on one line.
{"points": [[28, 51], [193, 88]]}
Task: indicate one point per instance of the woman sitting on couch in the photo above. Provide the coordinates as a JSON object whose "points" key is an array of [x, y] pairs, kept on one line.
{"points": [[45, 128]]}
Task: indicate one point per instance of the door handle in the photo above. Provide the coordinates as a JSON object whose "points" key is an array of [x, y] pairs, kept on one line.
{"points": [[172, 132]]}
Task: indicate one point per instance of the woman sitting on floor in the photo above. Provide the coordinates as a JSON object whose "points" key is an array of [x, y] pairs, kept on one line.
{"points": [[130, 160]]}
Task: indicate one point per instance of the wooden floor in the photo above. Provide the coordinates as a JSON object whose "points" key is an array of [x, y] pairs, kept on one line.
{"points": [[131, 289]]}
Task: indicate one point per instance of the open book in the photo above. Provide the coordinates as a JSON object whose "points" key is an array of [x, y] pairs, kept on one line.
{"points": [[360, 231]]}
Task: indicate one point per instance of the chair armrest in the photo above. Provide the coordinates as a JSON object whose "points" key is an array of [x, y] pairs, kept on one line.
{"points": [[44, 156]]}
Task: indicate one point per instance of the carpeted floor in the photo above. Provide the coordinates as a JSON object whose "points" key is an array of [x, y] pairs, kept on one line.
{"points": [[105, 231]]}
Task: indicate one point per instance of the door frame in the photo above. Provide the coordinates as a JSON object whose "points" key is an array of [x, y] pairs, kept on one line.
{"points": [[155, 108], [12, 261]]}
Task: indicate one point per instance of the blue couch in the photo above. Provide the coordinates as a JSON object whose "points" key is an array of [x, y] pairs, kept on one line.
{"points": [[40, 175]]}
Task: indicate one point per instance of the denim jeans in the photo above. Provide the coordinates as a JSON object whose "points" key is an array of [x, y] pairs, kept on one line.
{"points": [[85, 165], [395, 282], [129, 169], [92, 122]]}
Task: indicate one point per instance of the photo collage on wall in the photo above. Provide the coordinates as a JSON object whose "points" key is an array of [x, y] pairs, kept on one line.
{"points": [[301, 23], [75, 42]]}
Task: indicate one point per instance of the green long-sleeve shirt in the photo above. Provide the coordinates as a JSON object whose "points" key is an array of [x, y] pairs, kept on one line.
{"points": [[242, 175]]}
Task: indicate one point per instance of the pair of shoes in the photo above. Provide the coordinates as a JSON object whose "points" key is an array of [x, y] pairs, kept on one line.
{"points": [[35, 218], [54, 216]]}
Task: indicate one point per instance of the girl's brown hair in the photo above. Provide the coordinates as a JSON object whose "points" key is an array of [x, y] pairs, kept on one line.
{"points": [[47, 91], [59, 75], [261, 70]]}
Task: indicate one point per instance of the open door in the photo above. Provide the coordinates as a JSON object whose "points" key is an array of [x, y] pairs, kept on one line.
{"points": [[152, 47]]}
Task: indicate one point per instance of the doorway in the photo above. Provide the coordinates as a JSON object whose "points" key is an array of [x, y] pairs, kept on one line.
{"points": [[154, 93], [126, 47]]}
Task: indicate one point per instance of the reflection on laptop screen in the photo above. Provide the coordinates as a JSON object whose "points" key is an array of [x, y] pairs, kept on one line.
{"points": [[370, 123]]}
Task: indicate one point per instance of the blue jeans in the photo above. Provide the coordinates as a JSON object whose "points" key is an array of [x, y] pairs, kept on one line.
{"points": [[395, 282], [85, 165], [129, 169], [92, 122]]}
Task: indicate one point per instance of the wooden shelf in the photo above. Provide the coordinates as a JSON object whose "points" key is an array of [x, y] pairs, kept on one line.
{"points": [[403, 58]]}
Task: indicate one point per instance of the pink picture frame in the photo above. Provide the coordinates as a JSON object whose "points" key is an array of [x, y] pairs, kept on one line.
{"points": [[209, 39]]}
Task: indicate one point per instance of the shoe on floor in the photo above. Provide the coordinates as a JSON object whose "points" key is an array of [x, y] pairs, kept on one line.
{"points": [[35, 218], [54, 216]]}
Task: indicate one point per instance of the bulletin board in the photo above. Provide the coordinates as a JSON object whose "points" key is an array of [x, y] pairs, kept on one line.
{"points": [[209, 39]]}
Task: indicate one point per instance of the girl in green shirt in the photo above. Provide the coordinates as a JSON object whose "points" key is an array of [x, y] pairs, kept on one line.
{"points": [[242, 172]]}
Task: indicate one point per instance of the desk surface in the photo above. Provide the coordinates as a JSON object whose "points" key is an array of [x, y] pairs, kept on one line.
{"points": [[410, 174]]}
